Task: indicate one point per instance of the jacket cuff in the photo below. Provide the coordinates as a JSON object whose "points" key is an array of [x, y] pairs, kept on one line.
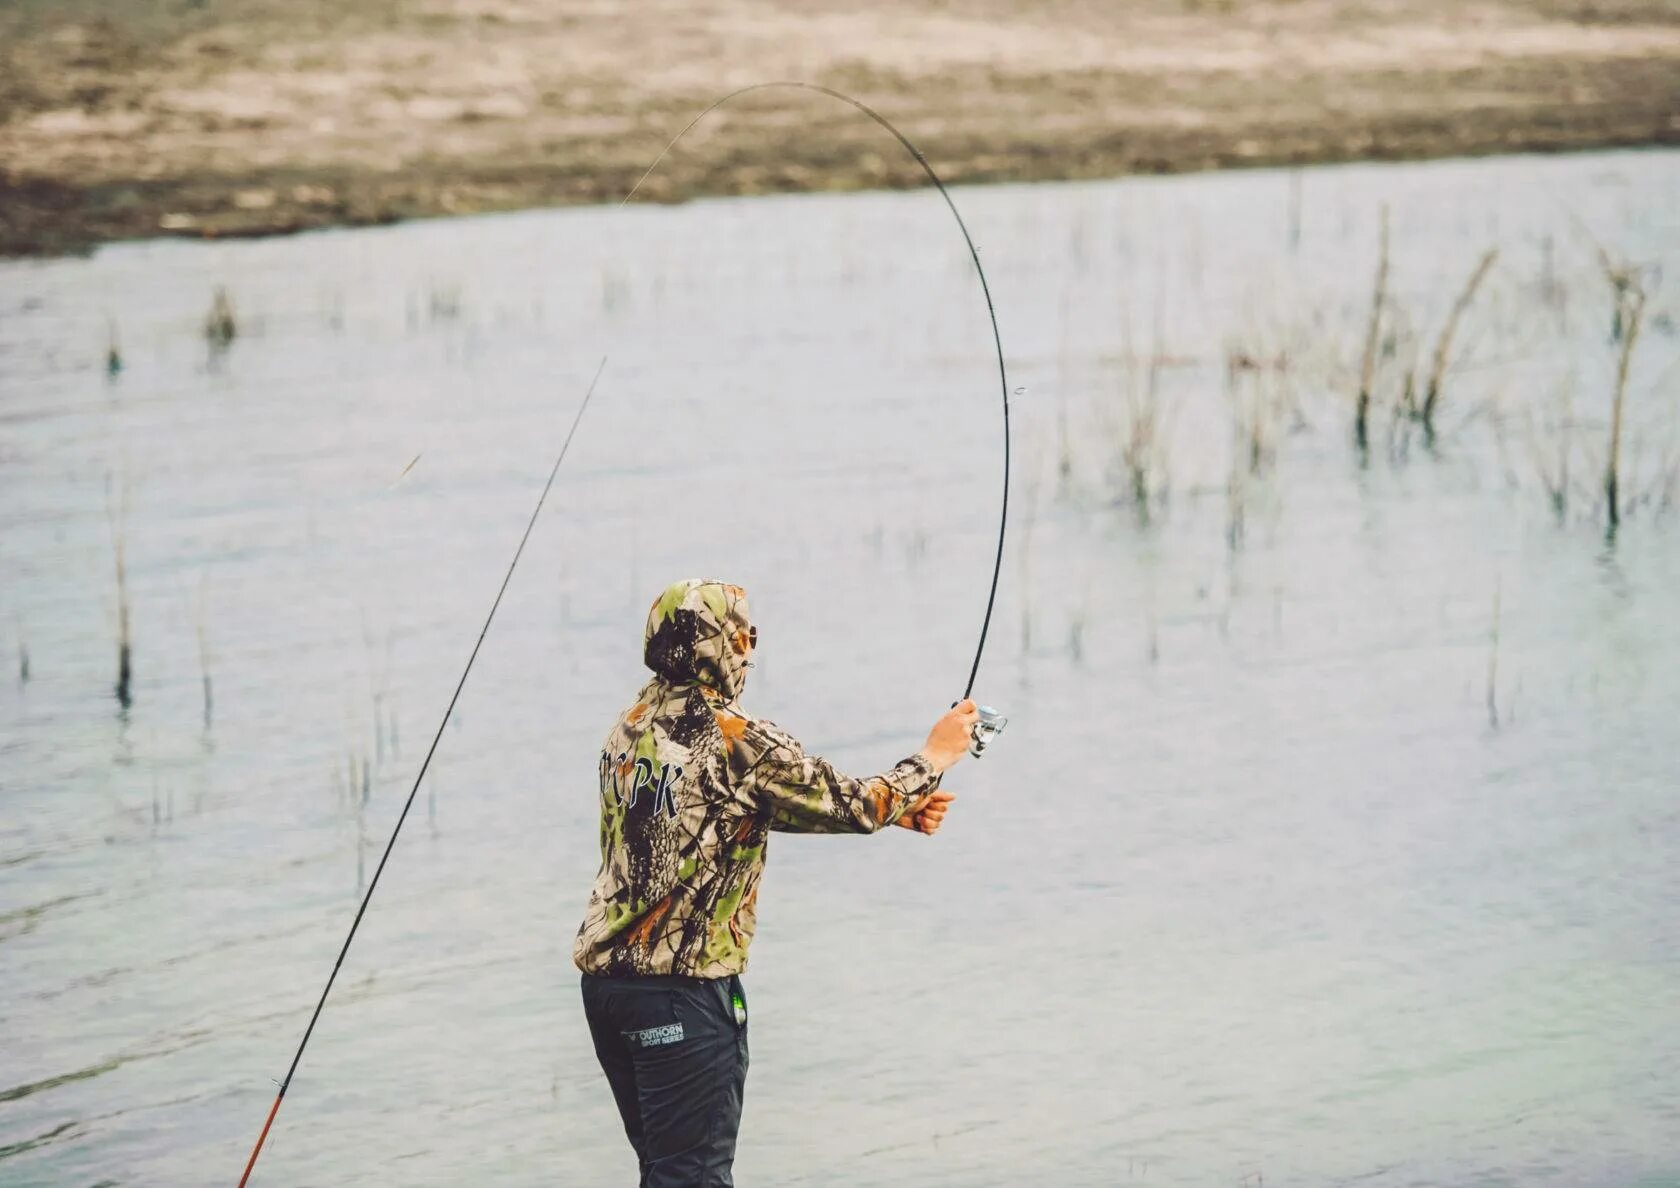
{"points": [[916, 777]]}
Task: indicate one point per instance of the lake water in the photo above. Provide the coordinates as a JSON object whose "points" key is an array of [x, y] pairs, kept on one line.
{"points": [[1284, 873]]}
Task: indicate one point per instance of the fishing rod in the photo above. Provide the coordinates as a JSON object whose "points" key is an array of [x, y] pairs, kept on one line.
{"points": [[990, 722], [424, 764]]}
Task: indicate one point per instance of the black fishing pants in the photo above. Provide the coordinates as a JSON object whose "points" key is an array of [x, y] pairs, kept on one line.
{"points": [[675, 1053]]}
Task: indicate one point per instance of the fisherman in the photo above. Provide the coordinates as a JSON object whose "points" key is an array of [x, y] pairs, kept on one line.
{"points": [[691, 787]]}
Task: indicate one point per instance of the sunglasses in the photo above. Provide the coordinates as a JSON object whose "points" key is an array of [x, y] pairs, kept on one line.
{"points": [[752, 636]]}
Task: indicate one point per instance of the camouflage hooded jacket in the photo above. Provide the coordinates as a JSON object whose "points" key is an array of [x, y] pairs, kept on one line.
{"points": [[691, 787]]}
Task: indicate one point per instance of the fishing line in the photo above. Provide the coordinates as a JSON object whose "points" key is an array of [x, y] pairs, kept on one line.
{"points": [[990, 722], [424, 764]]}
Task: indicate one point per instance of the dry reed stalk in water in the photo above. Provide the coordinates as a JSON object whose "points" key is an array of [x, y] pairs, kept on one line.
{"points": [[113, 349], [379, 684], [1630, 310], [1255, 389], [1368, 360], [1236, 507], [1143, 437], [220, 325], [1556, 480], [118, 518], [1138, 456], [202, 629], [1294, 210], [1024, 535], [1064, 460], [1443, 346], [1237, 363], [1141, 442]]}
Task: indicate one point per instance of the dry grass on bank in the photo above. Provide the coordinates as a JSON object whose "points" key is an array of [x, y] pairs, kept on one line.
{"points": [[230, 117]]}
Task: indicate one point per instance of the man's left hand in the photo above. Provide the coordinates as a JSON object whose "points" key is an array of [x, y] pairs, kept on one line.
{"points": [[930, 815]]}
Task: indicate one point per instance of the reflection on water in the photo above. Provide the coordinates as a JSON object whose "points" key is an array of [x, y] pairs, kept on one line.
{"points": [[1285, 872]]}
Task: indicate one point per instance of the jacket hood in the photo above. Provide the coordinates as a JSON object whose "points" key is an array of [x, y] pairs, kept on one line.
{"points": [[697, 634]]}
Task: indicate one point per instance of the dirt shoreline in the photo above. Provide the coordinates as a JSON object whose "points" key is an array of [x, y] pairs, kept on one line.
{"points": [[215, 118]]}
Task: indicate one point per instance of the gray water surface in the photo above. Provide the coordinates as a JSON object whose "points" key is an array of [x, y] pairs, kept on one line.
{"points": [[1284, 872]]}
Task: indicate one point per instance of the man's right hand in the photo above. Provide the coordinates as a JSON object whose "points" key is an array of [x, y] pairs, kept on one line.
{"points": [[948, 741]]}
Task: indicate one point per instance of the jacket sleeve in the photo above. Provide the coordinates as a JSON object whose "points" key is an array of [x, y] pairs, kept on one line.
{"points": [[805, 794]]}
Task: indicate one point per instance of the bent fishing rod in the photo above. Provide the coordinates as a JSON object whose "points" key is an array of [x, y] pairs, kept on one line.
{"points": [[990, 718], [990, 723]]}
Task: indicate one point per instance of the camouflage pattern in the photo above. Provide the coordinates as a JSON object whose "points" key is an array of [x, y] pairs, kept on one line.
{"points": [[691, 787]]}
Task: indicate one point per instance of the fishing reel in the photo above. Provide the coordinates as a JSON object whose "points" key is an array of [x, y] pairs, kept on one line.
{"points": [[989, 726]]}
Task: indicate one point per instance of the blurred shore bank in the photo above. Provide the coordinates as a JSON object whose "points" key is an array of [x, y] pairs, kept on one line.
{"points": [[214, 118]]}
